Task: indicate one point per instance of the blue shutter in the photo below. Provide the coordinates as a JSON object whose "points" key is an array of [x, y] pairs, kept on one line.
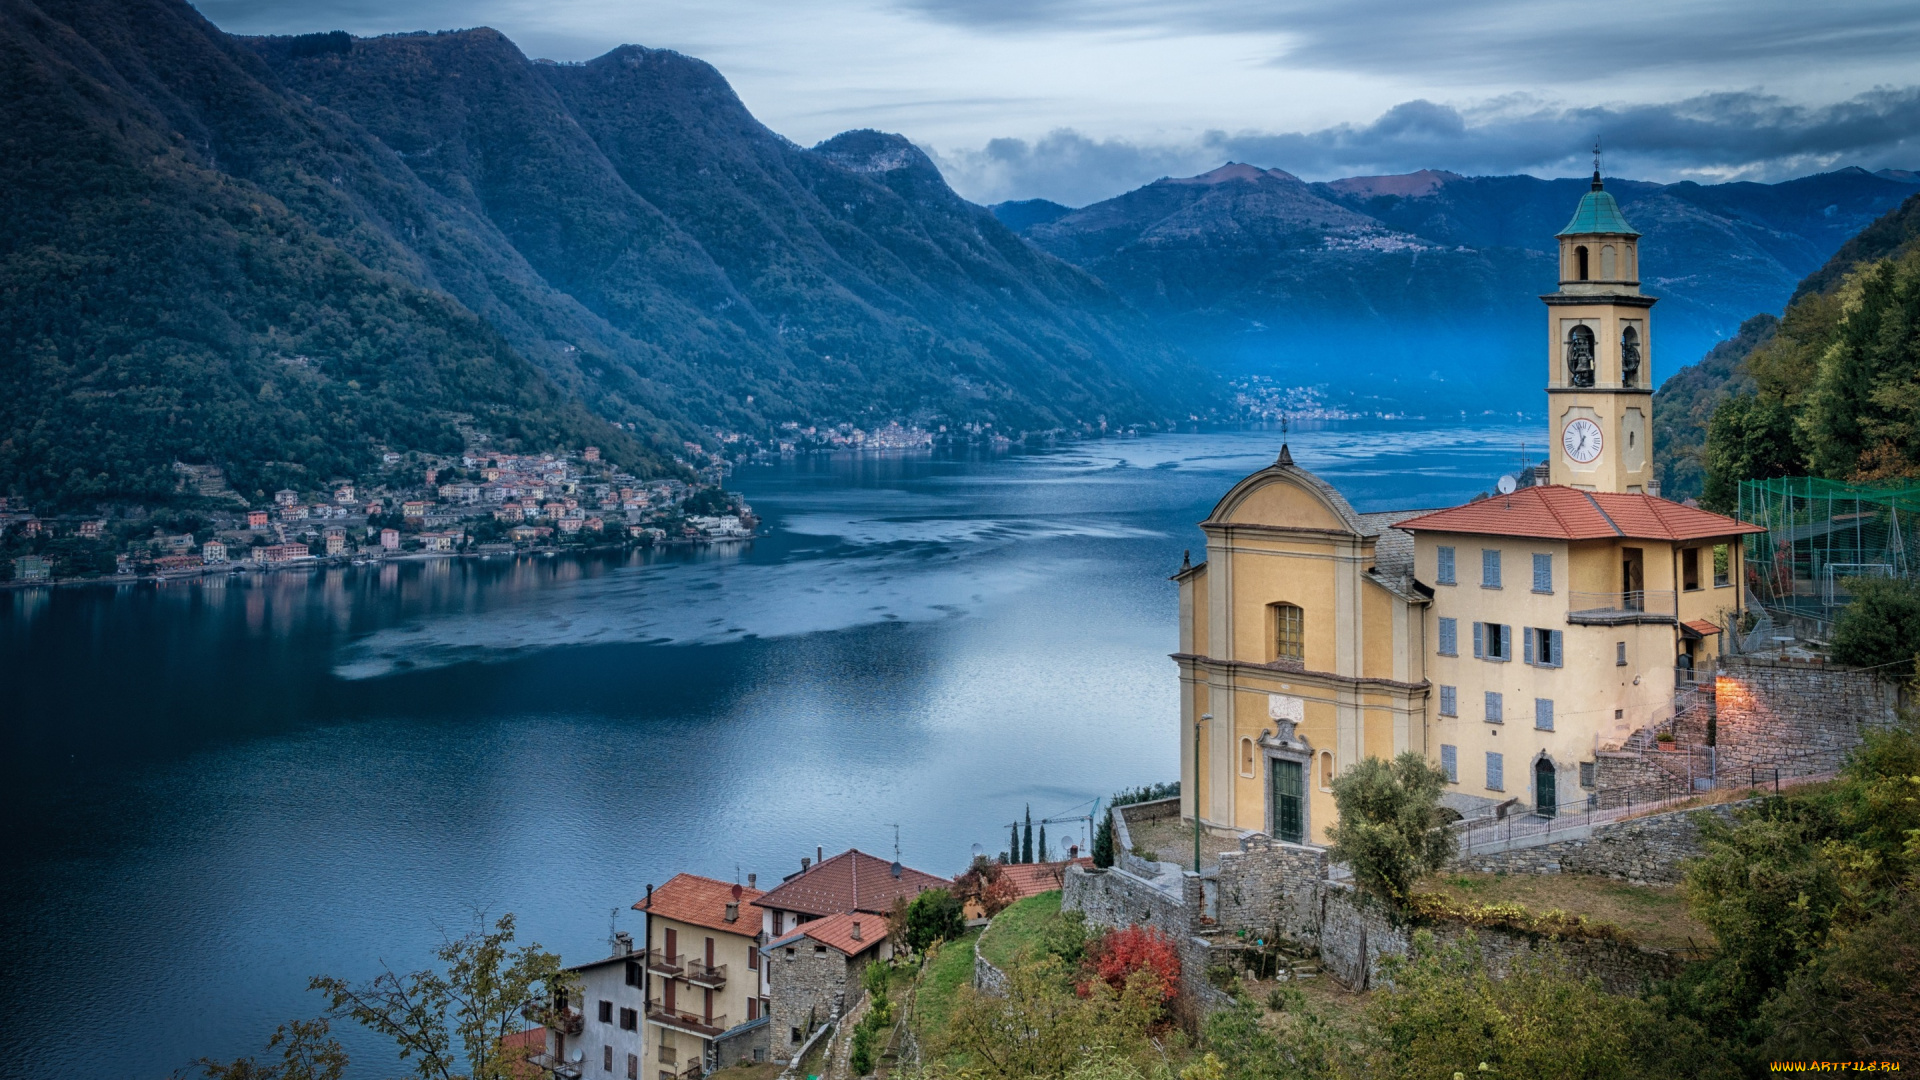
{"points": [[1494, 708], [1449, 637], [1479, 640], [1449, 701], [1526, 637], [1450, 763], [1543, 573], [1559, 650], [1489, 568], [1495, 770], [1543, 713], [1446, 566]]}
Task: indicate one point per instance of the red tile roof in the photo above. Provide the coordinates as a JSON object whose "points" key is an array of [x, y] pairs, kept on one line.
{"points": [[836, 931], [1032, 879], [1554, 512], [850, 881], [1702, 627], [702, 901]]}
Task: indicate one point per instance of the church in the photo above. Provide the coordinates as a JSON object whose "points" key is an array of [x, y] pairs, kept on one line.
{"points": [[1509, 640]]}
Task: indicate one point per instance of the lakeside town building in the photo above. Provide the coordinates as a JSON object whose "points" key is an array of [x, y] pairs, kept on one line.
{"points": [[708, 1005], [1509, 640]]}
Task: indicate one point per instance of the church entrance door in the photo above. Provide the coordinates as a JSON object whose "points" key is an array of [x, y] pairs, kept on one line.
{"points": [[1289, 793]]}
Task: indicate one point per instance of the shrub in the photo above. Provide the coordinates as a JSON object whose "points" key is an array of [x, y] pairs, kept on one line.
{"points": [[1391, 829], [934, 915], [1144, 952], [1881, 628]]}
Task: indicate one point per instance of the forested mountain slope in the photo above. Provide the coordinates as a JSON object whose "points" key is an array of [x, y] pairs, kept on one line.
{"points": [[283, 254]]}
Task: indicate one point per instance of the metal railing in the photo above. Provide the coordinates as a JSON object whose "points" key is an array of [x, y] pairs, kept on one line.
{"points": [[703, 974], [1636, 605], [659, 960], [697, 1023]]}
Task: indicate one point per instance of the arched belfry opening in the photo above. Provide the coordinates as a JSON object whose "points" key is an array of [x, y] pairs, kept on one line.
{"points": [[1630, 358], [1580, 263], [1580, 357]]}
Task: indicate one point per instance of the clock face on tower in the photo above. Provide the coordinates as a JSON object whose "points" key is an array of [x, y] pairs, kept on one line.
{"points": [[1581, 440]]}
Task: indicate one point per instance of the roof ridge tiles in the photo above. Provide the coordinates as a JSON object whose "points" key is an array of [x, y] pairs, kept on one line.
{"points": [[1604, 516]]}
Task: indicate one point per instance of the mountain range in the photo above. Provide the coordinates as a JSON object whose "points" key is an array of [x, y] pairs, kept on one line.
{"points": [[1420, 290], [288, 254]]}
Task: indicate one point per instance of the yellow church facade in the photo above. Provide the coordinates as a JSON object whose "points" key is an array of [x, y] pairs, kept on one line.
{"points": [[1508, 640]]}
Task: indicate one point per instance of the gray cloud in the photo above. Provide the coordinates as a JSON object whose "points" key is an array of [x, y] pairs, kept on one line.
{"points": [[1713, 136], [1465, 40]]}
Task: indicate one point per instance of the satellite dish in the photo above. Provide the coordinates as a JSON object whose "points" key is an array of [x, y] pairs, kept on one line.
{"points": [[1506, 484], [579, 1056]]}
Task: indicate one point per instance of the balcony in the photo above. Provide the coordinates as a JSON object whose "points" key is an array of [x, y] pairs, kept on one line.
{"points": [[706, 1027], [664, 963], [565, 1070], [1618, 608], [565, 1020], [708, 975]]}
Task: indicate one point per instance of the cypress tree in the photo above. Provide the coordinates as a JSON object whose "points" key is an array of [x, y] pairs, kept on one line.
{"points": [[1026, 846], [1013, 848], [1043, 841]]}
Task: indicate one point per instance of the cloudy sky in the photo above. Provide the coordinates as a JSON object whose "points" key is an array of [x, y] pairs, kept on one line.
{"points": [[1078, 100]]}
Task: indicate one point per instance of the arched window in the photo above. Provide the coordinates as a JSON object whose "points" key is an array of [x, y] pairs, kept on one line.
{"points": [[1326, 770], [1580, 357], [1580, 262], [1630, 358], [1289, 632], [1606, 263], [1246, 757]]}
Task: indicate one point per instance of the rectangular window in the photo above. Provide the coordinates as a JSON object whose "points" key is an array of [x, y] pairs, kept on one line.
{"points": [[633, 1067], [1690, 569], [1543, 646], [633, 973], [1496, 707], [1586, 774], [1446, 566], [629, 1019], [1620, 654], [1722, 567], [606, 1012], [753, 1008], [1493, 641], [753, 958], [1542, 573], [1450, 762], [1289, 635], [1489, 568], [1543, 713], [1496, 780], [606, 1059], [1449, 636], [1449, 701]]}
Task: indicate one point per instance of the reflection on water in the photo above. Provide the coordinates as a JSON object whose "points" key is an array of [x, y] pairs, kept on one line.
{"points": [[220, 788]]}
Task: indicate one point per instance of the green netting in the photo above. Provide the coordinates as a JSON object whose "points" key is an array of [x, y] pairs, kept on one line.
{"points": [[1823, 533]]}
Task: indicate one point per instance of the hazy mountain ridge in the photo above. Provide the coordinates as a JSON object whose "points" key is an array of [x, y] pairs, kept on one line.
{"points": [[1430, 280]]}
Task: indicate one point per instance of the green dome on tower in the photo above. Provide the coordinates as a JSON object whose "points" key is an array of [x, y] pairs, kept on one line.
{"points": [[1597, 213]]}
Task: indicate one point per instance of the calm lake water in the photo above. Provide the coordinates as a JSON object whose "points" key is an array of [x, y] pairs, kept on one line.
{"points": [[215, 790]]}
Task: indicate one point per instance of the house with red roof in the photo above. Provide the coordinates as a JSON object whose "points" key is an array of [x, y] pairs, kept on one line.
{"points": [[814, 972], [707, 995], [850, 881], [1511, 640]]}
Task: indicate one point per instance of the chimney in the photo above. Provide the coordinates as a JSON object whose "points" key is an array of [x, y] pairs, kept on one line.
{"points": [[733, 911], [856, 930], [622, 943], [819, 854], [804, 863], [649, 897], [750, 880]]}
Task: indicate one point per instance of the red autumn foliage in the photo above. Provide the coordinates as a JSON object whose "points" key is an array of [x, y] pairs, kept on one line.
{"points": [[1120, 953]]}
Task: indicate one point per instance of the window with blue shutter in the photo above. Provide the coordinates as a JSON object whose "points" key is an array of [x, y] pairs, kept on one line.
{"points": [[1449, 701], [1479, 640], [1498, 643], [1543, 713], [1446, 566], [1543, 573], [1449, 636], [1526, 637], [1450, 763], [1559, 646], [1495, 707], [1489, 568], [1496, 769]]}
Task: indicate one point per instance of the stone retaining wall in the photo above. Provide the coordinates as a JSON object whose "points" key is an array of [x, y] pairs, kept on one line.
{"points": [[1267, 888], [1800, 718], [1648, 849]]}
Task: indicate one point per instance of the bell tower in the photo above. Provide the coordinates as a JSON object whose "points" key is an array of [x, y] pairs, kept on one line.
{"points": [[1599, 354]]}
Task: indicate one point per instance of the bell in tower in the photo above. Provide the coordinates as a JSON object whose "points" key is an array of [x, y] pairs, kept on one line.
{"points": [[1599, 382]]}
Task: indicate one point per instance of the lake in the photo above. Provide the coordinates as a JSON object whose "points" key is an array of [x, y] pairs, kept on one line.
{"points": [[216, 790]]}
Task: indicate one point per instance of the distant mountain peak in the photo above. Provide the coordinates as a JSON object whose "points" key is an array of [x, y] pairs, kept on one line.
{"points": [[1232, 170], [1406, 185], [869, 151]]}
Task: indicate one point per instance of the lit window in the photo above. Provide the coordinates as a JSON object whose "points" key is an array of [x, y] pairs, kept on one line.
{"points": [[1289, 633]]}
